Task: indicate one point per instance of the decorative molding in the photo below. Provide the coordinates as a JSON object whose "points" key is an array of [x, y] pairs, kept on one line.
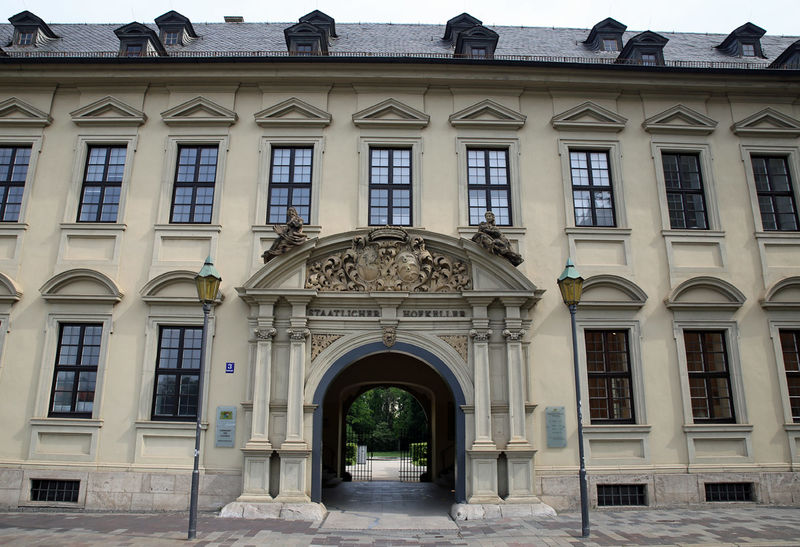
{"points": [[514, 336], [12, 291], [733, 298], [298, 335], [150, 291], [391, 113], [199, 111], [107, 291], [389, 336], [589, 116], [388, 259], [773, 300], [458, 342], [631, 295], [265, 334], [108, 111], [767, 123], [292, 113], [17, 113], [321, 341], [489, 115], [480, 335], [680, 119]]}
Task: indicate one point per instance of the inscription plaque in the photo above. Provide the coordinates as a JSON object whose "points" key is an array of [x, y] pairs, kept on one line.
{"points": [[225, 431], [556, 427]]}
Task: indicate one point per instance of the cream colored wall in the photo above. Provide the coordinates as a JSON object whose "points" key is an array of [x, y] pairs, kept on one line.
{"points": [[438, 90]]}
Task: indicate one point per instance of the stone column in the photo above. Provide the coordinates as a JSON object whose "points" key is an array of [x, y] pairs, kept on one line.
{"points": [[483, 453], [257, 450], [516, 388], [294, 450]]}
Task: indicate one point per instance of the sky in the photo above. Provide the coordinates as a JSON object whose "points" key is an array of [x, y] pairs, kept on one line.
{"points": [[781, 17]]}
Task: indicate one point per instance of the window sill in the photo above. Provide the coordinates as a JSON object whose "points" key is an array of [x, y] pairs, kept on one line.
{"points": [[711, 234], [174, 426], [95, 226], [67, 422], [311, 230], [583, 230], [716, 428], [13, 226], [188, 227], [512, 232], [777, 234], [617, 429]]}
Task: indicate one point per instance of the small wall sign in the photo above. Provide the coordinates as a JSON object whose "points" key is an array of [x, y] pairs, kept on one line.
{"points": [[225, 436], [556, 427], [229, 368]]}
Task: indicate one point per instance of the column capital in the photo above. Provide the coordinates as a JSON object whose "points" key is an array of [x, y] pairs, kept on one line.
{"points": [[480, 335], [265, 334], [298, 335], [514, 335]]}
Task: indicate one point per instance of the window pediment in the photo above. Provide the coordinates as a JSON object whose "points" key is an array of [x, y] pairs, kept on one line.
{"points": [[199, 111], [17, 113], [108, 111], [293, 113], [488, 114], [767, 123], [174, 287], [81, 286], [10, 292], [611, 291], [706, 293], [391, 113], [589, 117], [680, 119], [784, 295]]}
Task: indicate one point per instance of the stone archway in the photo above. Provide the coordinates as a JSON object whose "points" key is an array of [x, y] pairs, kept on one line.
{"points": [[422, 355]]}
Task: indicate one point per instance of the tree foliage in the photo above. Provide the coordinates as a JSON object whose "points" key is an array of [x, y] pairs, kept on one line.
{"points": [[385, 414]]}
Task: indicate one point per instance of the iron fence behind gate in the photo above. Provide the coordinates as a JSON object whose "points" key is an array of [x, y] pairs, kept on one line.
{"points": [[358, 456], [414, 455]]}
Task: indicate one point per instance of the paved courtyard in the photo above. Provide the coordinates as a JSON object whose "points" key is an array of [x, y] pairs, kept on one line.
{"points": [[384, 513]]}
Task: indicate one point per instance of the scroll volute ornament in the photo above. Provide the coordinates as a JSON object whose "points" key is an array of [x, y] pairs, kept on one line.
{"points": [[388, 259]]}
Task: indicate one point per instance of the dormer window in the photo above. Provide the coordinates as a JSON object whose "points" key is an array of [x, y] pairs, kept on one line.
{"points": [[30, 29], [175, 29], [322, 21], [137, 40], [605, 36], [644, 49], [305, 39], [477, 41], [790, 58], [459, 24], [745, 41], [304, 49], [478, 51]]}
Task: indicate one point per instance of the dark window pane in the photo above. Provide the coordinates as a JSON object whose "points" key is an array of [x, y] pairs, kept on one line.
{"points": [[593, 200], [390, 186], [177, 373], [776, 196], [195, 175], [14, 161], [75, 374], [709, 376], [102, 180], [609, 376]]}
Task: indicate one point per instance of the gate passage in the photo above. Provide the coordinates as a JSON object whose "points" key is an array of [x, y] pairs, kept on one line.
{"points": [[408, 462]]}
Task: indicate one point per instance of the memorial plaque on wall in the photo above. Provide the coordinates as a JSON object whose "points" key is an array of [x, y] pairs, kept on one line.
{"points": [[225, 433], [556, 427]]}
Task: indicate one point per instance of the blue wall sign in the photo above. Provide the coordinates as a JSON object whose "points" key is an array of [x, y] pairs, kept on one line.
{"points": [[229, 368]]}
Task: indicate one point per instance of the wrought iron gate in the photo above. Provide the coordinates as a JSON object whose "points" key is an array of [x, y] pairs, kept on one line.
{"points": [[414, 455], [358, 456]]}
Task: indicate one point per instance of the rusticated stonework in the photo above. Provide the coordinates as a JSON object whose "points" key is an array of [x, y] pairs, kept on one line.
{"points": [[458, 343], [388, 259], [321, 341]]}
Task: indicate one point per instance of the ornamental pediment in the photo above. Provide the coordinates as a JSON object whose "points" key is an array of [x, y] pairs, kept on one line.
{"points": [[589, 117], [767, 123], [488, 114], [14, 112], [680, 119], [293, 113], [108, 111], [199, 111], [391, 113], [388, 259]]}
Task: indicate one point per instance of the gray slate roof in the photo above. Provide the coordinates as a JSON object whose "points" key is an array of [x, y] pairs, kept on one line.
{"points": [[393, 39]]}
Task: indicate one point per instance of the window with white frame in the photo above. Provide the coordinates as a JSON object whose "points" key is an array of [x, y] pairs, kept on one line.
{"points": [[776, 199], [683, 181], [592, 190], [177, 373], [390, 186], [610, 383], [707, 365], [75, 374]]}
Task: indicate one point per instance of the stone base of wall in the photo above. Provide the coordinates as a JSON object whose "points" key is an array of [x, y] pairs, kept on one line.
{"points": [[123, 490], [671, 489]]}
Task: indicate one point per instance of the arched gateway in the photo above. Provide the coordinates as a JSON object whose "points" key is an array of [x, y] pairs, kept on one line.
{"points": [[446, 303]]}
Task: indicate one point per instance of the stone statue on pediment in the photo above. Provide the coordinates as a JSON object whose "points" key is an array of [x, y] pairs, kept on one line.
{"points": [[492, 239], [289, 235]]}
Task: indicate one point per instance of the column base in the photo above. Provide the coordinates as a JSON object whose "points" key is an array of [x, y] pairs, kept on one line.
{"points": [[470, 511], [255, 474], [483, 466], [293, 475], [520, 475], [314, 512]]}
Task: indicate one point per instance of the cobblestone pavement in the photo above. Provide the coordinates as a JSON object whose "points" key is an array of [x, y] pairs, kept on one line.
{"points": [[725, 525]]}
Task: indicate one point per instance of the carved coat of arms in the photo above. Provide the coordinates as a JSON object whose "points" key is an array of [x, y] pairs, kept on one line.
{"points": [[388, 259]]}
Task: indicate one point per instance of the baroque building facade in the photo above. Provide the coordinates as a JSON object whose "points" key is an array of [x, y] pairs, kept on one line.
{"points": [[666, 165]]}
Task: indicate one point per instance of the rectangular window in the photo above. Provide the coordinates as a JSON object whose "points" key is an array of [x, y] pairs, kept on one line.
{"points": [[177, 373], [648, 59], [489, 190], [790, 345], [102, 184], [304, 49], [55, 490], [25, 38], [610, 44], [478, 51], [685, 194], [608, 368], [748, 50], [729, 491], [75, 370], [609, 495], [775, 194], [195, 174], [14, 161], [172, 38], [591, 188], [390, 186], [709, 376], [133, 50], [289, 183]]}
